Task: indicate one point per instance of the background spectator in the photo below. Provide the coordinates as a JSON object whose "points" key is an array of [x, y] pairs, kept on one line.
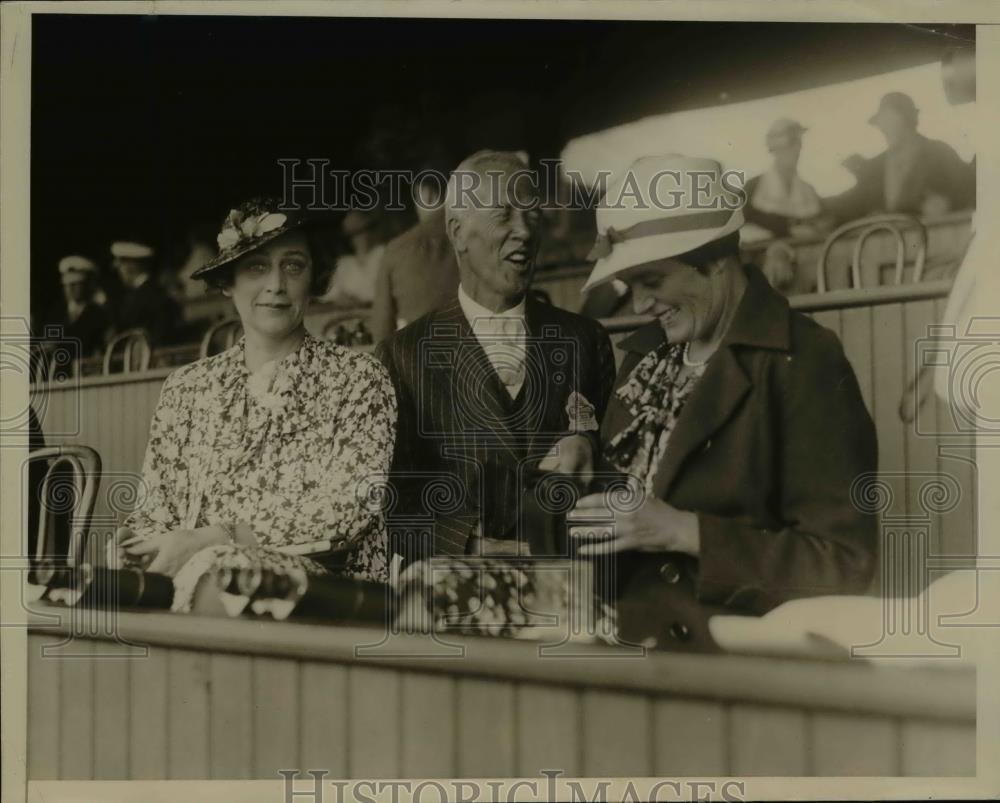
{"points": [[418, 272], [914, 174], [79, 312], [144, 303], [778, 199], [354, 277]]}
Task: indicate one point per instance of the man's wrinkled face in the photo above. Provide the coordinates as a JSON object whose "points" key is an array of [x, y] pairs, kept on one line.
{"points": [[497, 238]]}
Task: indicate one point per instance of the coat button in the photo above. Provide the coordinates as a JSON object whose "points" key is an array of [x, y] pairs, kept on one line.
{"points": [[680, 631], [670, 572]]}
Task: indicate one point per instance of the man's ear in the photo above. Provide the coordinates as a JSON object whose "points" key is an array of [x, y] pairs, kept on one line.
{"points": [[453, 226], [227, 292]]}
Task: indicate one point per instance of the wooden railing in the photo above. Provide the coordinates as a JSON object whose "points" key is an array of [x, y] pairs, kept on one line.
{"points": [[219, 698]]}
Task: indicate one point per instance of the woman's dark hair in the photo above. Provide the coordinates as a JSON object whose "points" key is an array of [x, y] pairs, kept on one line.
{"points": [[222, 278], [703, 256]]}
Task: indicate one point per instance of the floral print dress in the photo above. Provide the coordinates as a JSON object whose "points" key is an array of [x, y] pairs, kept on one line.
{"points": [[288, 453]]}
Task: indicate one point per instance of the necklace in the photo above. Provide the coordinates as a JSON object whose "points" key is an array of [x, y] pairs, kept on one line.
{"points": [[687, 359]]}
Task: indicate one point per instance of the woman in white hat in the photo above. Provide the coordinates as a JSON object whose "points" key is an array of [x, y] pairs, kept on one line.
{"points": [[739, 420], [255, 455]]}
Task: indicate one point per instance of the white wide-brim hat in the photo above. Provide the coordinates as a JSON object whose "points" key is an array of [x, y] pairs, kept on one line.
{"points": [[660, 207]]}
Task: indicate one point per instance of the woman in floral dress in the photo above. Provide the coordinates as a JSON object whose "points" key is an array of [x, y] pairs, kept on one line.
{"points": [[256, 456]]}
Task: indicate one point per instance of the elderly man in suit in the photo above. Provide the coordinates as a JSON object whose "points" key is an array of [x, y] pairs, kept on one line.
{"points": [[495, 383]]}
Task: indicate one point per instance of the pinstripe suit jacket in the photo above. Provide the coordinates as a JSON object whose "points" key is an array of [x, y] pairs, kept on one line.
{"points": [[462, 444]]}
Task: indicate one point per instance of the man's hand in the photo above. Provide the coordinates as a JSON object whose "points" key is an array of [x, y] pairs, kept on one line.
{"points": [[654, 527], [573, 455], [173, 549]]}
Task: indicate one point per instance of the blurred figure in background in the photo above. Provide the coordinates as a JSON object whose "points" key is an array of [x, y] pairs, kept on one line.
{"points": [[418, 273], [780, 266], [200, 249], [145, 304], [354, 276], [913, 174], [778, 199], [79, 313]]}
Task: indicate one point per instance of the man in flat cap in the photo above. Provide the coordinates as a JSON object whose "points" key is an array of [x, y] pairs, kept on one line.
{"points": [[913, 174], [80, 314], [145, 304]]}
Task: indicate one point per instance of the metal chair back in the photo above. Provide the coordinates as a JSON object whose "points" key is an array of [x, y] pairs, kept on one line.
{"points": [[896, 224], [75, 497], [135, 349]]}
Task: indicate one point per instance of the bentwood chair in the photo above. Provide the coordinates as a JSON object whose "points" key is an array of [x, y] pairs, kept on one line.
{"points": [[895, 224], [68, 489], [135, 349], [220, 336]]}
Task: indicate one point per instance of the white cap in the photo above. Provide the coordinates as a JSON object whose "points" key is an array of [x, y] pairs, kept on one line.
{"points": [[76, 264], [661, 207], [130, 250]]}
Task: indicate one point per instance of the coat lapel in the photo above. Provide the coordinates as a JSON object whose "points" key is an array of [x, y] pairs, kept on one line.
{"points": [[713, 400], [761, 321]]}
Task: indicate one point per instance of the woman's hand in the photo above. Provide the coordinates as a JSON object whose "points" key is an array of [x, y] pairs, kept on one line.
{"points": [[654, 527], [172, 549], [571, 455]]}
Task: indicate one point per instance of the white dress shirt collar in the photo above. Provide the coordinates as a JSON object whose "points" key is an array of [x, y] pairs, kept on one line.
{"points": [[502, 336], [475, 311]]}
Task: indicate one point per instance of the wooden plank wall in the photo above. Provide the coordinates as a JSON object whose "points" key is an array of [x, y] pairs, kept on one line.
{"points": [[880, 343], [113, 418], [181, 713]]}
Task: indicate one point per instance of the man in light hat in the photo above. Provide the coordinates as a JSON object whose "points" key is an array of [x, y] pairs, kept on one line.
{"points": [[739, 421], [914, 174], [779, 200], [80, 314], [145, 304]]}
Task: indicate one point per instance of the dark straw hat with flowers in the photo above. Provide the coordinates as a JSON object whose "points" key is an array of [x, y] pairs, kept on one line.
{"points": [[249, 226]]}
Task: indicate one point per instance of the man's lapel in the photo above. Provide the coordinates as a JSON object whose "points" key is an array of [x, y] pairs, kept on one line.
{"points": [[553, 371]]}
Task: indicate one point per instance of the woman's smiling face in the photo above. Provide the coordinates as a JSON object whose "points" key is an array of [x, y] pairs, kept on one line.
{"points": [[271, 286], [687, 302]]}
